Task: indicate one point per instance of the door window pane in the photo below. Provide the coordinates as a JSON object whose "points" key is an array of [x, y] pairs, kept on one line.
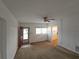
{"points": [[25, 33]]}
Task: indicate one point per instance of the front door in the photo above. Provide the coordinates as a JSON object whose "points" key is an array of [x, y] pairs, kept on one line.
{"points": [[25, 35]]}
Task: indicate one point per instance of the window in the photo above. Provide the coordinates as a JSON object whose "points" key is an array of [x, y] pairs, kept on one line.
{"points": [[38, 30], [41, 30], [25, 33], [44, 30]]}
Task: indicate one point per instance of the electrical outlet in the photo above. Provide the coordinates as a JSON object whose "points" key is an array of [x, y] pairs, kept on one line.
{"points": [[77, 48]]}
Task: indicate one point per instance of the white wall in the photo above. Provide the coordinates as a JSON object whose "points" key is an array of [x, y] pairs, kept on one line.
{"points": [[70, 32], [2, 38], [33, 37], [11, 32], [0, 41]]}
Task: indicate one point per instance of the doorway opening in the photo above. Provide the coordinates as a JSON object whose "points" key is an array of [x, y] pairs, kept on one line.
{"points": [[54, 39]]}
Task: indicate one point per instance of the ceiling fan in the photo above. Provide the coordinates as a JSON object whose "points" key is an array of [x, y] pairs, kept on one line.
{"points": [[46, 19]]}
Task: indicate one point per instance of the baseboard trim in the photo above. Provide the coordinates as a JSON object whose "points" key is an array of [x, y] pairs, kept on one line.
{"points": [[39, 42], [68, 51], [16, 53]]}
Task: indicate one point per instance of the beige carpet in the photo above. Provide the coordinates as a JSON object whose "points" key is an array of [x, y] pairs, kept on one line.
{"points": [[42, 51]]}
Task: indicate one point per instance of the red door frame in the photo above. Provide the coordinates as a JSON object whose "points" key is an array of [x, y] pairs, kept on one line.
{"points": [[20, 37]]}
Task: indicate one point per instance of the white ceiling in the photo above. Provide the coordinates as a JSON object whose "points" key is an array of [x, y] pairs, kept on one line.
{"points": [[34, 10]]}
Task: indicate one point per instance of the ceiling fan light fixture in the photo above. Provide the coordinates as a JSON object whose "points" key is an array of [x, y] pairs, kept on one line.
{"points": [[47, 20]]}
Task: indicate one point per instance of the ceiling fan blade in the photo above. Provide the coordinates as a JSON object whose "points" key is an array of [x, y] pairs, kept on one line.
{"points": [[51, 19], [47, 20]]}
